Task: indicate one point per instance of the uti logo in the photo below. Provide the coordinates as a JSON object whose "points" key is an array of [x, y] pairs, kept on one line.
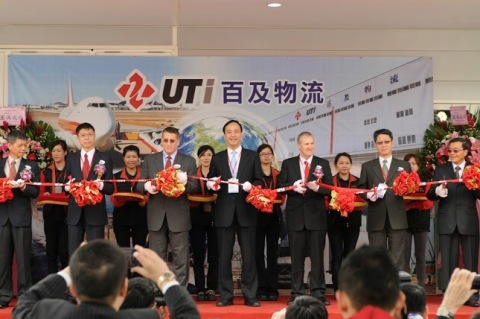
{"points": [[184, 90], [136, 90]]}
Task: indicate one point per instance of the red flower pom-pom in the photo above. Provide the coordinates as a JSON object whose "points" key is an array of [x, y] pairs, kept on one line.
{"points": [[86, 193], [406, 183], [5, 190], [166, 182], [343, 201], [471, 176], [262, 198]]}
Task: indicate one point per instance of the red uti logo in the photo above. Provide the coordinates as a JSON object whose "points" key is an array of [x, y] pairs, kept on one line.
{"points": [[136, 90], [297, 116]]}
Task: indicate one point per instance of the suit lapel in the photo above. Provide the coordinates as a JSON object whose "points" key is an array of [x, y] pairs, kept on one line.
{"points": [[21, 167], [3, 162], [297, 168], [95, 160], [377, 169]]}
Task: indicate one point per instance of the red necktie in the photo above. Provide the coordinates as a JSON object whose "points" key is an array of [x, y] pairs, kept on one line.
{"points": [[13, 171], [169, 162], [86, 166], [306, 171]]}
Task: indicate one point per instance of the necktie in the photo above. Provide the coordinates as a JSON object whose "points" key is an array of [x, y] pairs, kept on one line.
{"points": [[233, 161], [86, 166], [457, 172], [385, 169], [306, 171], [13, 171], [168, 163]]}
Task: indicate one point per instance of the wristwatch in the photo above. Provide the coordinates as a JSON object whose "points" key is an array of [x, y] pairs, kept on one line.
{"points": [[164, 278], [444, 312]]}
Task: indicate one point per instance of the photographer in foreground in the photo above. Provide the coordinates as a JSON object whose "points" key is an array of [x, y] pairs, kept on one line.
{"points": [[97, 279]]}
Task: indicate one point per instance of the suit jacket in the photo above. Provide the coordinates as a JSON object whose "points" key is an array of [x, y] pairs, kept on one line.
{"points": [[458, 209], [390, 204], [159, 207], [19, 210], [93, 214], [249, 169], [305, 210], [45, 301]]}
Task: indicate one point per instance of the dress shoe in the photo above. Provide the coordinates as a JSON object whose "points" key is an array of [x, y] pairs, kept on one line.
{"points": [[201, 296], [4, 304], [224, 303], [472, 303], [262, 297], [210, 295], [324, 300], [252, 303], [272, 297]]}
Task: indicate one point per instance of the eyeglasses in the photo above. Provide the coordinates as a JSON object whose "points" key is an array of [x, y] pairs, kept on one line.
{"points": [[266, 154], [454, 151], [166, 141], [384, 142]]}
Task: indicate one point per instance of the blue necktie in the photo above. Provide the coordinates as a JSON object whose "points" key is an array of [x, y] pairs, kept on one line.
{"points": [[233, 161]]}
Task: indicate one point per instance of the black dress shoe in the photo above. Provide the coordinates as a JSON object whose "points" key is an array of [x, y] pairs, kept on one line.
{"points": [[201, 296], [472, 303], [262, 297], [252, 303], [224, 303], [4, 304], [272, 297], [210, 295], [324, 300]]}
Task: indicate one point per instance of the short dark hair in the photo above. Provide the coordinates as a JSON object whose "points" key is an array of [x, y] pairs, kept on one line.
{"points": [[202, 149], [15, 135], [306, 307], [140, 294], [340, 155], [409, 156], [381, 131], [130, 148], [62, 144], [465, 143], [369, 277], [261, 147], [230, 122], [415, 298], [98, 269], [84, 126], [172, 130]]}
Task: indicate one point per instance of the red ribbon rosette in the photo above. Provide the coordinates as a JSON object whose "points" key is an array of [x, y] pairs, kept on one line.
{"points": [[5, 190], [119, 199], [262, 198], [471, 176], [166, 182], [406, 183], [343, 201], [86, 193]]}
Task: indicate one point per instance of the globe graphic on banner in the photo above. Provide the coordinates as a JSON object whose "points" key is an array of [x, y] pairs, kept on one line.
{"points": [[209, 131]]}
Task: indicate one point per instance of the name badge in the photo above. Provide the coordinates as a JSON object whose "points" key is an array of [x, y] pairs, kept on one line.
{"points": [[233, 188]]}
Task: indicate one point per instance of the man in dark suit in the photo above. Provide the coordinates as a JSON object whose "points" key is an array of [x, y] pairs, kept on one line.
{"points": [[386, 217], [16, 218], [96, 278], [306, 215], [233, 213], [457, 218], [169, 217], [89, 220]]}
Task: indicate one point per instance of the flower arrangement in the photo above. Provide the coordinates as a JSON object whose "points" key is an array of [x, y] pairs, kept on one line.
{"points": [[439, 134], [471, 176], [26, 174], [262, 198], [100, 169], [318, 173], [406, 183], [166, 182]]}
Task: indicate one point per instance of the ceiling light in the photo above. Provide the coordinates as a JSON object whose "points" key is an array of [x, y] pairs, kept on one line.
{"points": [[274, 5]]}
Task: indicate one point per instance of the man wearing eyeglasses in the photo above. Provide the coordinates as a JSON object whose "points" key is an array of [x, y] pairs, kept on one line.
{"points": [[457, 217], [386, 217], [168, 216]]}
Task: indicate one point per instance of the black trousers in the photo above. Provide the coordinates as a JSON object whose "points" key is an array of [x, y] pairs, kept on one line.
{"points": [[203, 240], [267, 276], [56, 237], [123, 233]]}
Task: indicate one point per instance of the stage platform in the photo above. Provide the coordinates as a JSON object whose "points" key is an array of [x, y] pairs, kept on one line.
{"points": [[208, 310]]}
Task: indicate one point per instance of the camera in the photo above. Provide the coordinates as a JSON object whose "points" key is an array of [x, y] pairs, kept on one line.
{"points": [[131, 261], [476, 282]]}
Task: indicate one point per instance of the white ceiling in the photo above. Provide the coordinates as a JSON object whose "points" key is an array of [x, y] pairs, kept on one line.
{"points": [[316, 14]]}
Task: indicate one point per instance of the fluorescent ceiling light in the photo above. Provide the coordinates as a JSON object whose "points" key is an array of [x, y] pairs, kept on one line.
{"points": [[274, 5]]}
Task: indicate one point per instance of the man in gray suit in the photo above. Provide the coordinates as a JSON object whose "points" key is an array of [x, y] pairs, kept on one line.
{"points": [[386, 217], [169, 216]]}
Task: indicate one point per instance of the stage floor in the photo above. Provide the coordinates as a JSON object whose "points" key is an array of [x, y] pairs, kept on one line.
{"points": [[208, 310]]}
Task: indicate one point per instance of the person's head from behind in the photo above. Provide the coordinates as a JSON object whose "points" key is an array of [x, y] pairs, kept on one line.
{"points": [[17, 144], [86, 136], [306, 307], [140, 294], [415, 300], [98, 270], [368, 276]]}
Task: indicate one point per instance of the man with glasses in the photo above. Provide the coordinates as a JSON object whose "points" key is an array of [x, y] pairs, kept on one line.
{"points": [[386, 217], [168, 216], [457, 217]]}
